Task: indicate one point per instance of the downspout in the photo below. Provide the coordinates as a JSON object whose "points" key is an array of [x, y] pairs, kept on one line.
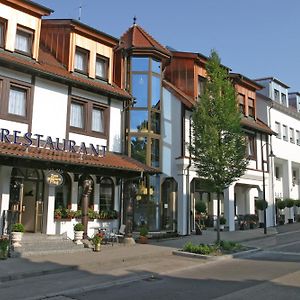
{"points": [[188, 190]]}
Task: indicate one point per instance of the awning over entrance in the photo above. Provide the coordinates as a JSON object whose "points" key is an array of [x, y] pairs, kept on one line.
{"points": [[110, 165]]}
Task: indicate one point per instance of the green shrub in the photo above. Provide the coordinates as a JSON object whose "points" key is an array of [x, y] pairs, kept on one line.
{"points": [[289, 202], [297, 203], [79, 227], [78, 214], [281, 204], [261, 204], [200, 207], [222, 220], [18, 227], [143, 231], [203, 249], [4, 242], [229, 246]]}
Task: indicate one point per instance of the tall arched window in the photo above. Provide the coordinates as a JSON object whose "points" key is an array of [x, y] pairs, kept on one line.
{"points": [[80, 190], [106, 194], [63, 193]]}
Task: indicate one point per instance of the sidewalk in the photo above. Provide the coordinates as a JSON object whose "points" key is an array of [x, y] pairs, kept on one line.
{"points": [[115, 256]]}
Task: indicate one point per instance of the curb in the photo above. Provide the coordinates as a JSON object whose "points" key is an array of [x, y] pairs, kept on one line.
{"points": [[215, 258]]}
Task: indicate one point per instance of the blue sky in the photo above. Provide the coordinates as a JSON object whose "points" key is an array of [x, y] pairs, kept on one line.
{"points": [[257, 38]]}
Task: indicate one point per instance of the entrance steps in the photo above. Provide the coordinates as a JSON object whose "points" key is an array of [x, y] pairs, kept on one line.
{"points": [[42, 244]]}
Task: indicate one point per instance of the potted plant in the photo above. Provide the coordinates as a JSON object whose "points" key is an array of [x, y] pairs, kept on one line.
{"points": [[78, 233], [4, 243], [143, 239], [261, 205], [222, 222], [281, 204], [290, 204], [17, 231], [57, 214], [96, 240]]}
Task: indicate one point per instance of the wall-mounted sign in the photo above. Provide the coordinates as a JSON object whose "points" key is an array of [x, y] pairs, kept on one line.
{"points": [[29, 139], [54, 179]]}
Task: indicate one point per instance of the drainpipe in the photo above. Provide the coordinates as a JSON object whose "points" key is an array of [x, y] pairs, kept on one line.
{"points": [[188, 180]]}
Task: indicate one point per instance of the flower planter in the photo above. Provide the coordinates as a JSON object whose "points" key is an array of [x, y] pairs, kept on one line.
{"points": [[16, 239], [78, 236], [143, 240], [97, 247]]}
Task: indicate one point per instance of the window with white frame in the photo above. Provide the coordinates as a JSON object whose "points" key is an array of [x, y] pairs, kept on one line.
{"points": [[278, 130], [102, 67], [276, 95], [292, 135], [283, 99], [298, 137], [81, 60], [24, 40], [284, 132], [251, 153]]}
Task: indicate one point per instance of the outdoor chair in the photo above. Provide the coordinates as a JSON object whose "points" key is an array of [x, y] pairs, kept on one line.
{"points": [[121, 233]]}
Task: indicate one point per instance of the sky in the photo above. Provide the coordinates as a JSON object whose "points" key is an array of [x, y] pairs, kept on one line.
{"points": [[257, 38]]}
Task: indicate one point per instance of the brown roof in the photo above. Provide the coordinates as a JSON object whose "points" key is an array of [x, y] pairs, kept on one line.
{"points": [[184, 98], [110, 161], [137, 38], [48, 66], [257, 125]]}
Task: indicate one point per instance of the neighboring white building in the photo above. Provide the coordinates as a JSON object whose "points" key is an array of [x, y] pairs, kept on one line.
{"points": [[280, 110]]}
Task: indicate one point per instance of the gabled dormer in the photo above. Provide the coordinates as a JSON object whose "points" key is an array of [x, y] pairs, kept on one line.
{"points": [[80, 48], [246, 94], [20, 26], [274, 89], [294, 101]]}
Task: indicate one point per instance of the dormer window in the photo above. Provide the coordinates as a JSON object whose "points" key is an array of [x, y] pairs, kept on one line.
{"points": [[241, 100], [283, 99], [102, 68], [2, 32], [81, 60], [251, 109], [24, 40], [276, 95]]}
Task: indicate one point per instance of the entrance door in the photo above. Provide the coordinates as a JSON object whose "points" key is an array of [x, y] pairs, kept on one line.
{"points": [[29, 198]]}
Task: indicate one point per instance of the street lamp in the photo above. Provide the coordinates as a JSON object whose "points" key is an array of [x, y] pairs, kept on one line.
{"points": [[264, 184]]}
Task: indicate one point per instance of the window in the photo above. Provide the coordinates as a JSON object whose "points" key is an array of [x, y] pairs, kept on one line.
{"points": [[102, 68], [292, 135], [241, 101], [81, 60], [87, 117], [278, 130], [17, 101], [276, 95], [277, 173], [298, 137], [201, 85], [283, 99], [77, 115], [251, 109], [63, 193], [2, 32], [106, 192], [284, 133], [24, 40], [251, 153], [97, 120]]}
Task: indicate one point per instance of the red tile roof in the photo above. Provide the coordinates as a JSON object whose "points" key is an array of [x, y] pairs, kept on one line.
{"points": [[136, 37], [257, 125], [109, 161], [48, 66]]}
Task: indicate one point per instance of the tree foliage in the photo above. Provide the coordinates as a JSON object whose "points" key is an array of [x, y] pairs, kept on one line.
{"points": [[218, 144]]}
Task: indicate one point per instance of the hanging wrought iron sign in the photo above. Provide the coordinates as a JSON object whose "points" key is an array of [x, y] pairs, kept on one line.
{"points": [[53, 178]]}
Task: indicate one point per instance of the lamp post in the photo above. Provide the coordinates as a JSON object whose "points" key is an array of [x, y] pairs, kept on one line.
{"points": [[264, 183]]}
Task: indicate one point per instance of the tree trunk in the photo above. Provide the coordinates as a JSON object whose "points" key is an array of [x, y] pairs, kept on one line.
{"points": [[218, 219]]}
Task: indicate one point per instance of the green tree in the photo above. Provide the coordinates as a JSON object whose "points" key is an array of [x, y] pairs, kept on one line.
{"points": [[218, 144]]}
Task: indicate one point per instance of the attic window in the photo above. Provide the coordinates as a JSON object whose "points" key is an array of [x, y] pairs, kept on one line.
{"points": [[102, 68], [81, 60], [24, 41], [2, 32]]}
